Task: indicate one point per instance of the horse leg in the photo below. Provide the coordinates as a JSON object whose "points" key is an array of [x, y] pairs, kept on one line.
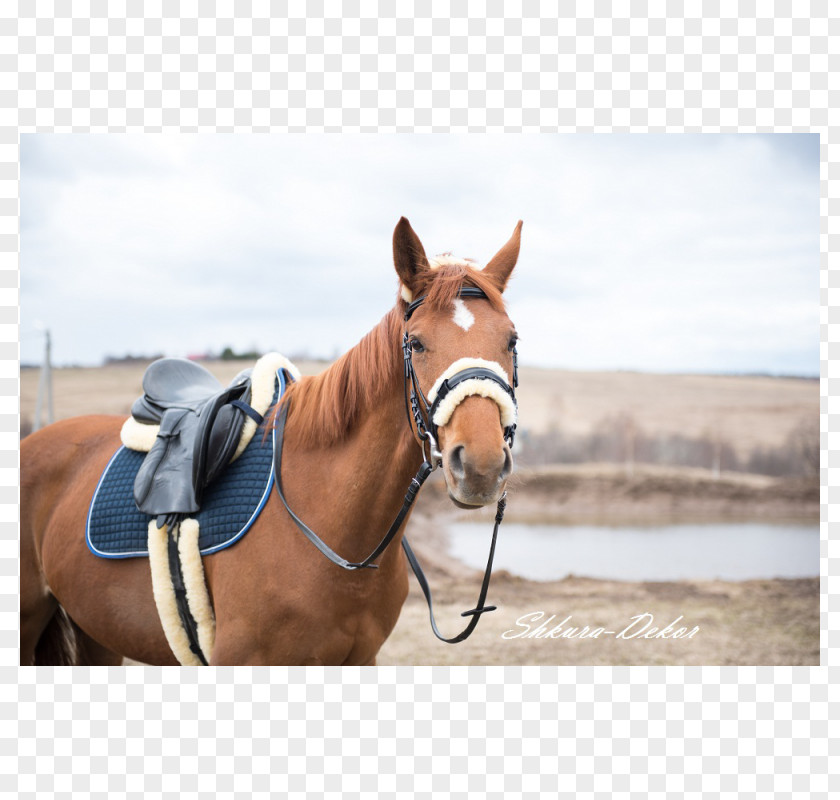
{"points": [[45, 632], [44, 635], [49, 636]]}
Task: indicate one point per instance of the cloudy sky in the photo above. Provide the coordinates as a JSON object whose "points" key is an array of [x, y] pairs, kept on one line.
{"points": [[688, 253]]}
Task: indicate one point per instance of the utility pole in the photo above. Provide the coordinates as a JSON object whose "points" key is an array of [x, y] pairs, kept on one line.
{"points": [[45, 388]]}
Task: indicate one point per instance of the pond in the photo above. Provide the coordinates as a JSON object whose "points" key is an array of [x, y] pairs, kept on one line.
{"points": [[728, 551]]}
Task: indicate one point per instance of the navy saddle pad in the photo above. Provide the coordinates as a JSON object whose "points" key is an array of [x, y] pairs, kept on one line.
{"points": [[229, 506]]}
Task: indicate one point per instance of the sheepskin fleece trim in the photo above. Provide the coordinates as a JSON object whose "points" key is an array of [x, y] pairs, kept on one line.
{"points": [[197, 595], [263, 378], [165, 596], [137, 436], [477, 386], [466, 363], [447, 259], [406, 293]]}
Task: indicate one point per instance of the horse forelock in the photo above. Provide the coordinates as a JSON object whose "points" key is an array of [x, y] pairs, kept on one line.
{"points": [[442, 285]]}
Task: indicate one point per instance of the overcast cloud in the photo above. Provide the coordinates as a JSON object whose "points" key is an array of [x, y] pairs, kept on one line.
{"points": [[690, 253]]}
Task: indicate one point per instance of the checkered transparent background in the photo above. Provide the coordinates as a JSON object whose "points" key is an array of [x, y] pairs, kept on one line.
{"points": [[457, 66]]}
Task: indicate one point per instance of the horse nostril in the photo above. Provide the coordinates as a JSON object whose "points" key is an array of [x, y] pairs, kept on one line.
{"points": [[456, 462], [507, 467], [462, 468]]}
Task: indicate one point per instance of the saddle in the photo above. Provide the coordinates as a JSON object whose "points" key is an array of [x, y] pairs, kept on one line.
{"points": [[190, 428], [200, 424]]}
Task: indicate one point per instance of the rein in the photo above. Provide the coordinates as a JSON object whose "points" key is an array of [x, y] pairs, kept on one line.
{"points": [[421, 418]]}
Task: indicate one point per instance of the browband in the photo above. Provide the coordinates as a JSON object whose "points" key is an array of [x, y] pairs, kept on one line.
{"points": [[466, 291]]}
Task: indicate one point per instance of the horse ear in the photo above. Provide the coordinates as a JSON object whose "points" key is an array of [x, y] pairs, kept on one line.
{"points": [[409, 259], [501, 265]]}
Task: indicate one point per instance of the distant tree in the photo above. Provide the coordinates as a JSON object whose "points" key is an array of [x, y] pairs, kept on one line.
{"points": [[804, 440]]}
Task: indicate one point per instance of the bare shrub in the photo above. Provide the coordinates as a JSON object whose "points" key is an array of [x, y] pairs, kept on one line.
{"points": [[618, 439]]}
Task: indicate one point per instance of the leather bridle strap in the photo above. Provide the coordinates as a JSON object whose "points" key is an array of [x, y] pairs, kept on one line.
{"points": [[480, 608], [471, 373], [410, 496], [465, 291]]}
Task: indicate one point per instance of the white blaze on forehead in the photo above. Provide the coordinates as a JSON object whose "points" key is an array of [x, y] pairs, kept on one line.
{"points": [[462, 317]]}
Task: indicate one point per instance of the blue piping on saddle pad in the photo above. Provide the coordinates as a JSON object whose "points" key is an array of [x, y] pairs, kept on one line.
{"points": [[230, 505]]}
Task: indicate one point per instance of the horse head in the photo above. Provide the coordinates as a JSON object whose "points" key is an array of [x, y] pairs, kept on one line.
{"points": [[460, 348]]}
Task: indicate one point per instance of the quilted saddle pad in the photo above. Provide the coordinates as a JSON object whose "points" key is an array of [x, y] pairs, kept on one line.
{"points": [[229, 506]]}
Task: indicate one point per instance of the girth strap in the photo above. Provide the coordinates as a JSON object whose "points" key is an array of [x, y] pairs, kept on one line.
{"points": [[179, 587], [410, 496]]}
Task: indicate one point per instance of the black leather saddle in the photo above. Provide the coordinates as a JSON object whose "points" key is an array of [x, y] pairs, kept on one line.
{"points": [[200, 426]]}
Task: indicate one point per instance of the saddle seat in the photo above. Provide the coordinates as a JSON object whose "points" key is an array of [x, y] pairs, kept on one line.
{"points": [[177, 382]]}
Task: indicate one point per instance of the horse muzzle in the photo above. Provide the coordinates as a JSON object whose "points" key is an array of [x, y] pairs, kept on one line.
{"points": [[476, 476], [474, 436]]}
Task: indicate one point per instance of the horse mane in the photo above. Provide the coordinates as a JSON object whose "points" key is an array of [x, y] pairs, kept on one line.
{"points": [[326, 406]]}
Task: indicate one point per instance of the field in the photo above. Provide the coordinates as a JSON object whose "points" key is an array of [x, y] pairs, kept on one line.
{"points": [[745, 412], [749, 622]]}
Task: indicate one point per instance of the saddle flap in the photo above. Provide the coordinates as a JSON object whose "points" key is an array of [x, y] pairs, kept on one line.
{"points": [[221, 426], [158, 487]]}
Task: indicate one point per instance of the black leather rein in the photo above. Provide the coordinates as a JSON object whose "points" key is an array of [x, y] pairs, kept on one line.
{"points": [[421, 419]]}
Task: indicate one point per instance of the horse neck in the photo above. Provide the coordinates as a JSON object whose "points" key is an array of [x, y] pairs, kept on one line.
{"points": [[350, 487]]}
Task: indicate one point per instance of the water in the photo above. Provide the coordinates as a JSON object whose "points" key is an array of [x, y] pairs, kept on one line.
{"points": [[729, 551]]}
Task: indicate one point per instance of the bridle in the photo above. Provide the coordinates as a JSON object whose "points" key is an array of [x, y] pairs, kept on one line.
{"points": [[421, 416], [421, 413]]}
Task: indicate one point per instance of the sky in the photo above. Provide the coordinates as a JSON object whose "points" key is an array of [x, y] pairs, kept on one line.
{"points": [[694, 253]]}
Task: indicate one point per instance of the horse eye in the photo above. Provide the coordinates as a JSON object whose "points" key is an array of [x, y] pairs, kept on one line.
{"points": [[512, 342], [417, 346]]}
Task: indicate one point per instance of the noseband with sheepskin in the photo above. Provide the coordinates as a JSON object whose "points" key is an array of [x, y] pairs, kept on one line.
{"points": [[465, 377]]}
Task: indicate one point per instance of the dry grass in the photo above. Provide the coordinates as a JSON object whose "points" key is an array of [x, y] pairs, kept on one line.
{"points": [[745, 412], [110, 389]]}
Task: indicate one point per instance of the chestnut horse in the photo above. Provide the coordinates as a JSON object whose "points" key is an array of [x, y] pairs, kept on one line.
{"points": [[349, 455]]}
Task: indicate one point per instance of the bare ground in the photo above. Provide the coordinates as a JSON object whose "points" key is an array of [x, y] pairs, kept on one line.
{"points": [[740, 622], [748, 622]]}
